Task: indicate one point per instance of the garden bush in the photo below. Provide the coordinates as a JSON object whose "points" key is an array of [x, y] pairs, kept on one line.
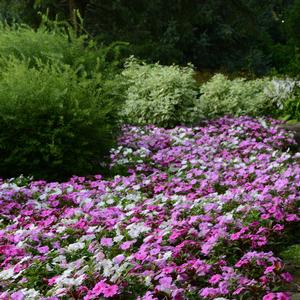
{"points": [[222, 96], [53, 122], [54, 41], [161, 95], [285, 93], [291, 107]]}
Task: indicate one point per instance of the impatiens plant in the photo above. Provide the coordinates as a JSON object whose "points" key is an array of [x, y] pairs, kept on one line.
{"points": [[200, 215]]}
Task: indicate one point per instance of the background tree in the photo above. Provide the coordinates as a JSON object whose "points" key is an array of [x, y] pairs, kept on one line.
{"points": [[233, 35]]}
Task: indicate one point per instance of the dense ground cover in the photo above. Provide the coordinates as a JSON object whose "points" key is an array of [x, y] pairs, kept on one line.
{"points": [[198, 217]]}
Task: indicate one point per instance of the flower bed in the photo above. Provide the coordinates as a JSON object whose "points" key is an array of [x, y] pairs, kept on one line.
{"points": [[197, 217]]}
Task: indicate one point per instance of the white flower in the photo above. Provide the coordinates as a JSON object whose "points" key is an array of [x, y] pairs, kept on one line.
{"points": [[91, 229], [61, 229], [107, 266], [129, 207], [148, 280], [32, 227], [118, 238], [229, 216], [7, 274], [134, 230], [12, 186], [88, 237], [110, 201], [136, 187], [167, 255], [70, 189], [31, 294], [72, 281], [120, 188], [59, 259], [75, 246]]}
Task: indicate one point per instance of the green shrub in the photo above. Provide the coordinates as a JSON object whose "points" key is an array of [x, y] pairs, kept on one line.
{"points": [[222, 96], [53, 123], [285, 93], [291, 106], [54, 41], [292, 255], [156, 94]]}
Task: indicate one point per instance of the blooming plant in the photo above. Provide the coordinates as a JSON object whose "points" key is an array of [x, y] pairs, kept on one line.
{"points": [[196, 218]]}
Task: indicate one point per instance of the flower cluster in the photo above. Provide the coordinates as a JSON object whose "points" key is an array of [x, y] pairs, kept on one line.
{"points": [[196, 217]]}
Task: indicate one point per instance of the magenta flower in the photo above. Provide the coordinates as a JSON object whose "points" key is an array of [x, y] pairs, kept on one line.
{"points": [[119, 258], [43, 249], [99, 288], [17, 296], [165, 282], [287, 277], [126, 245], [107, 242], [196, 215], [110, 291], [215, 279], [276, 296]]}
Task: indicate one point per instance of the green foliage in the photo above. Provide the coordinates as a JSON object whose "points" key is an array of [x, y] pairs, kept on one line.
{"points": [[213, 34], [222, 96], [161, 95], [291, 106], [18, 11], [55, 40], [25, 42], [53, 122], [293, 22], [36, 273], [233, 35], [285, 93], [292, 255]]}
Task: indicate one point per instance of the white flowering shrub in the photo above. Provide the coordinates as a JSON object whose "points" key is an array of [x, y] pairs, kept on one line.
{"points": [[284, 93], [281, 89], [160, 95], [222, 96]]}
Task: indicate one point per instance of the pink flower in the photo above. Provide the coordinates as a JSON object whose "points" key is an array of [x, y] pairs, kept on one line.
{"points": [[292, 217], [107, 242], [283, 296], [269, 296], [52, 280], [154, 251], [215, 279], [264, 279], [17, 268], [269, 269], [238, 291], [99, 288], [278, 227], [277, 296], [17, 296], [110, 290], [165, 282], [119, 258], [209, 292], [287, 277], [43, 250], [126, 245], [148, 296], [141, 255]]}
